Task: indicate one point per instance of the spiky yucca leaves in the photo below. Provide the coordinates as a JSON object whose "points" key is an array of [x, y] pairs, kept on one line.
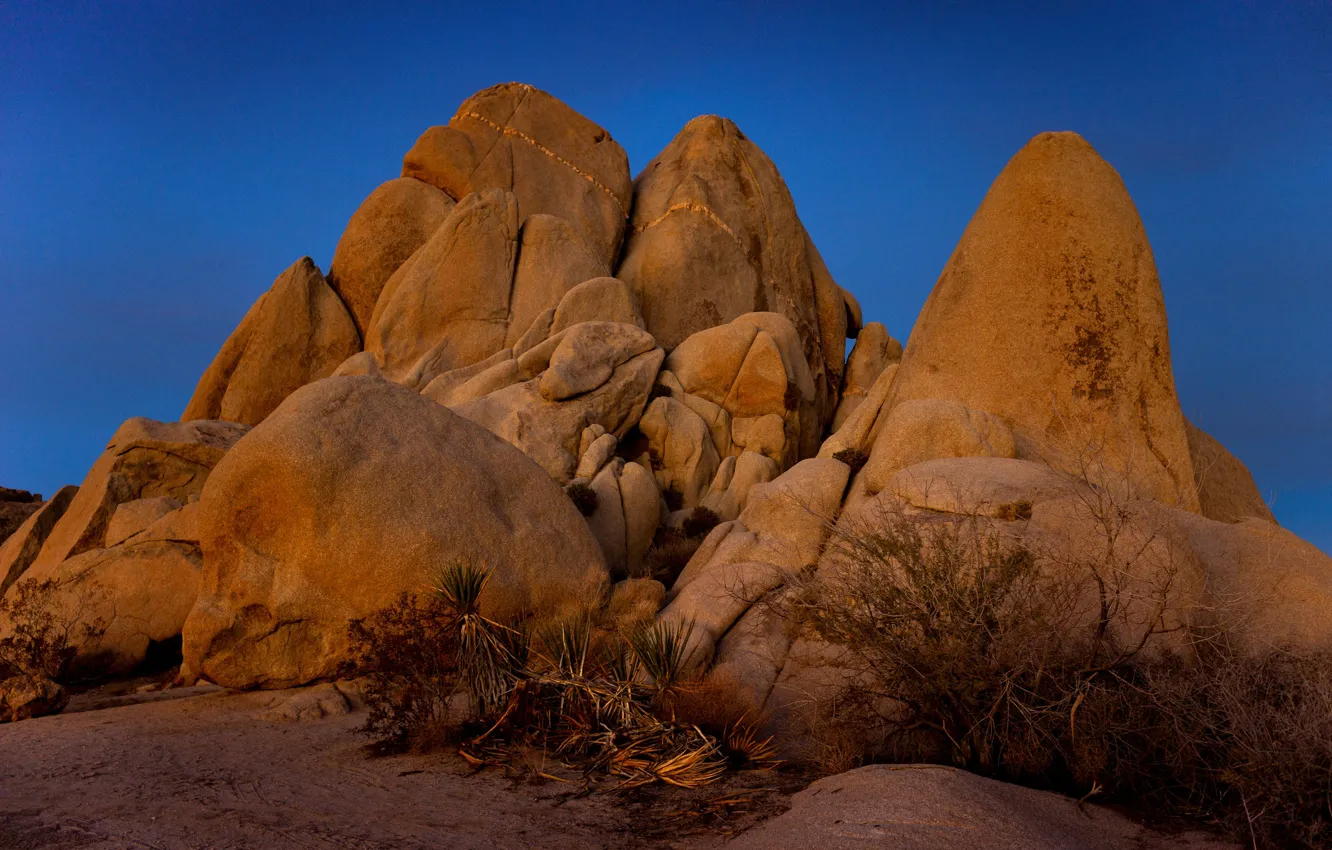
{"points": [[491, 656], [661, 648], [583, 693]]}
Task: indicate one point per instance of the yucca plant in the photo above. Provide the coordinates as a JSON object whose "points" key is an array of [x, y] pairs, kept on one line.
{"points": [[661, 648], [491, 655]]}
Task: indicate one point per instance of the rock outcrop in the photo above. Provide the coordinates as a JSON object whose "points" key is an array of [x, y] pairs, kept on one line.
{"points": [[933, 807], [1226, 490], [354, 491], [479, 285], [388, 227], [297, 332], [518, 138], [714, 235], [144, 459], [137, 594], [873, 352], [1050, 316], [21, 548], [15, 508]]}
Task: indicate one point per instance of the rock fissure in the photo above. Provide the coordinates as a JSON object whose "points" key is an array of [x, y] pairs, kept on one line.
{"points": [[519, 134]]}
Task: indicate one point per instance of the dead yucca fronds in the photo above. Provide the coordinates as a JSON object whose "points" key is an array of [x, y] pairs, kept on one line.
{"points": [[661, 648], [746, 745], [691, 768]]}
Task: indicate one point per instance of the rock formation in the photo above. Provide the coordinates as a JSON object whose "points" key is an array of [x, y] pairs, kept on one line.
{"points": [[714, 235], [356, 490], [15, 508], [520, 139], [297, 332], [510, 316], [1050, 316]]}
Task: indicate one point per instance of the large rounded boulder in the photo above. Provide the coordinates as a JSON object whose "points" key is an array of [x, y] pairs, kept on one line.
{"points": [[1049, 315], [353, 491]]}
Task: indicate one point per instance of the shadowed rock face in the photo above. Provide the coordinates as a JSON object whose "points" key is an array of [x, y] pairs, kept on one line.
{"points": [[1049, 314], [1226, 490], [715, 235]]}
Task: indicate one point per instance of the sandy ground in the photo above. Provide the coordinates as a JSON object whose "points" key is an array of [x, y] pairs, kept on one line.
{"points": [[227, 770]]}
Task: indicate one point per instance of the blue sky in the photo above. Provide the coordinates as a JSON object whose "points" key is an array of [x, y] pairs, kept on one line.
{"points": [[161, 163]]}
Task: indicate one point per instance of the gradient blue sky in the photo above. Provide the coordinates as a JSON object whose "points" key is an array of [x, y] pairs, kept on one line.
{"points": [[161, 163]]}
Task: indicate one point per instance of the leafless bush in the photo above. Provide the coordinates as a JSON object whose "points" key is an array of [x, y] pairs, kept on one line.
{"points": [[46, 622], [1082, 668]]}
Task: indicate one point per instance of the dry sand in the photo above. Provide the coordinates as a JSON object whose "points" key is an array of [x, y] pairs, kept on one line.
{"points": [[200, 769]]}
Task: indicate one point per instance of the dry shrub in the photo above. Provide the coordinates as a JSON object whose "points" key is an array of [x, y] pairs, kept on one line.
{"points": [[46, 625], [699, 522], [854, 458], [967, 648], [409, 652], [666, 559], [583, 497], [721, 710], [590, 697], [791, 397], [674, 498]]}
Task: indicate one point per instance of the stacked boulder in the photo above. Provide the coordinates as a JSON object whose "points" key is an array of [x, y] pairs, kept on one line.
{"points": [[484, 336], [523, 359], [1035, 397]]}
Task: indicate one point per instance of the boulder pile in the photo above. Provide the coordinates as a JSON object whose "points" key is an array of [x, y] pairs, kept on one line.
{"points": [[513, 319]]}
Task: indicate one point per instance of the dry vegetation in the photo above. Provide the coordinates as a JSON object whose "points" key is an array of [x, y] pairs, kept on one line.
{"points": [[574, 692], [964, 646]]}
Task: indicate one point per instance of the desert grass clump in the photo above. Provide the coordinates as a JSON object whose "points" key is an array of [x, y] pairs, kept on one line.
{"points": [[854, 458], [669, 554], [583, 497]]}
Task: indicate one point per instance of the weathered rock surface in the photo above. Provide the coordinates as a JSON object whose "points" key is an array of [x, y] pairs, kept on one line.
{"points": [[603, 299], [140, 592], [19, 551], [518, 138], [873, 352], [388, 227], [297, 332], [24, 697], [450, 301], [1272, 589], [749, 382], [550, 430], [1226, 490], [714, 235], [780, 531], [353, 491], [481, 284], [1050, 315], [923, 429], [130, 518], [932, 807], [15, 508], [144, 459]]}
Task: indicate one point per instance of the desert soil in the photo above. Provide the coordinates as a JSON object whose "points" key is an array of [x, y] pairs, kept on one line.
{"points": [[205, 768]]}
